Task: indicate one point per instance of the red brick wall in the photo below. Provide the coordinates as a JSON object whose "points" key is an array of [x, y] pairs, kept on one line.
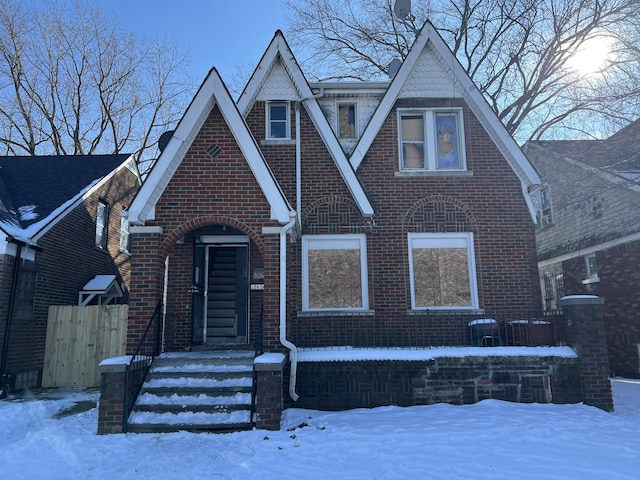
{"points": [[618, 286], [69, 259], [207, 191], [203, 192]]}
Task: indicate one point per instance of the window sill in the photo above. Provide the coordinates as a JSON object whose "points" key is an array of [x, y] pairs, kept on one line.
{"points": [[337, 313], [435, 173], [277, 141], [446, 311], [588, 281]]}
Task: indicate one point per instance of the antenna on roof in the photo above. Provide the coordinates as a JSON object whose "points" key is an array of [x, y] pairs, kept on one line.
{"points": [[402, 9], [394, 66]]}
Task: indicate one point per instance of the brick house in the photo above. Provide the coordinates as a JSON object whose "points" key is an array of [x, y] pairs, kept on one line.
{"points": [[310, 215], [588, 231], [60, 225]]}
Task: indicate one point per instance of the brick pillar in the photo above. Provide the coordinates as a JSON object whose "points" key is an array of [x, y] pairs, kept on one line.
{"points": [[586, 334], [145, 289], [111, 403], [268, 368]]}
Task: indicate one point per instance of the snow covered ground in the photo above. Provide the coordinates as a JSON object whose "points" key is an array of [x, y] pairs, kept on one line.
{"points": [[488, 440]]}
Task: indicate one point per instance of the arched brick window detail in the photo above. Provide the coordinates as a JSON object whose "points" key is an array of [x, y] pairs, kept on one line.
{"points": [[332, 216], [439, 214]]}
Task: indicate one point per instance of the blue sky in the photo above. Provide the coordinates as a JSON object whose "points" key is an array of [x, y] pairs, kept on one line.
{"points": [[226, 34]]}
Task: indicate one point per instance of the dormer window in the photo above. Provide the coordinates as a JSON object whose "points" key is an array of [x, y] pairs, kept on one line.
{"points": [[347, 120], [431, 140], [278, 123]]}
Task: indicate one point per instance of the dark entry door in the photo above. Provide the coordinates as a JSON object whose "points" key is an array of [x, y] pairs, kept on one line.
{"points": [[227, 294]]}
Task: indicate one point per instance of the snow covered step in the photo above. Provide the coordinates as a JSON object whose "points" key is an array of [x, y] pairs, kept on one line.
{"points": [[196, 391], [149, 422], [175, 403]]}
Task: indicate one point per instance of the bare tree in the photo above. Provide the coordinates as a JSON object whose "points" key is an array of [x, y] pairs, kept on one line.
{"points": [[73, 82], [518, 52]]}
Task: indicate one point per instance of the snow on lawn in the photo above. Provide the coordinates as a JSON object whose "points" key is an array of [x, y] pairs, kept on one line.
{"points": [[488, 440]]}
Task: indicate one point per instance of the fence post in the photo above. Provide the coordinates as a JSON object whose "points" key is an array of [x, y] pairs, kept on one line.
{"points": [[586, 334]]}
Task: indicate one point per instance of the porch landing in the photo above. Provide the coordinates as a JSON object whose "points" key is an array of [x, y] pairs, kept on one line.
{"points": [[205, 390]]}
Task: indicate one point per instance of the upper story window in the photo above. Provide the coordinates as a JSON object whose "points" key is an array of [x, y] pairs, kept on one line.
{"points": [[334, 272], [278, 120], [124, 234], [102, 221], [542, 203], [431, 140], [347, 120]]}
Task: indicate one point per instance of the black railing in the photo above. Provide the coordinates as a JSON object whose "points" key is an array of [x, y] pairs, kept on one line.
{"points": [[430, 329], [258, 351], [147, 349]]}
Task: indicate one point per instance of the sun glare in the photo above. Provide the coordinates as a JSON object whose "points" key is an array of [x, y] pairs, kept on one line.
{"points": [[592, 56]]}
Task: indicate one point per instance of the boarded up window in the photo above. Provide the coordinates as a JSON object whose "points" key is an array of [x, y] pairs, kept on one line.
{"points": [[334, 272], [442, 270], [441, 277]]}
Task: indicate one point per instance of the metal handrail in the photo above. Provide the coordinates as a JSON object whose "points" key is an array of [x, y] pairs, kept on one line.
{"points": [[147, 349], [257, 351]]}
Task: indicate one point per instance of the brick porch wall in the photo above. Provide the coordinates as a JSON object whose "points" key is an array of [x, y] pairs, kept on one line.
{"points": [[365, 384]]}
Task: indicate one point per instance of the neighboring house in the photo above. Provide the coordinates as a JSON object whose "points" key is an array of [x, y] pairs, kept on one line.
{"points": [[60, 226], [333, 211], [588, 232]]}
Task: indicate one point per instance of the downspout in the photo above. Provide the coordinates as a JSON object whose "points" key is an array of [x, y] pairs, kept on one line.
{"points": [[295, 219], [293, 356], [298, 162], [5, 342]]}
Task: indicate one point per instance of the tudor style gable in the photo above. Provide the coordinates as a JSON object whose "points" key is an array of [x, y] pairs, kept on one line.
{"points": [[279, 83], [212, 94]]}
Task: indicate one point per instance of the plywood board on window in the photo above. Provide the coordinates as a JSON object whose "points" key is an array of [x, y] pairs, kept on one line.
{"points": [[334, 279]]}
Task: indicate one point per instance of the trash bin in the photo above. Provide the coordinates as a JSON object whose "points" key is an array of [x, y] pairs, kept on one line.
{"points": [[485, 332], [530, 333]]}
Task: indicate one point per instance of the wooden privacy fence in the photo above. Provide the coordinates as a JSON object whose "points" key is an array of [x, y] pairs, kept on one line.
{"points": [[78, 339]]}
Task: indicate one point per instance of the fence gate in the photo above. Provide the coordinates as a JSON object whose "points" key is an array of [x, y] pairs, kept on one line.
{"points": [[78, 339]]}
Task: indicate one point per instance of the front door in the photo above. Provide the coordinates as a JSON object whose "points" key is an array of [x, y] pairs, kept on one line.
{"points": [[227, 294]]}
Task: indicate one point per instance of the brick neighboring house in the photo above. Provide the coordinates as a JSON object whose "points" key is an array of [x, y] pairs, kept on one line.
{"points": [[588, 233], [61, 216]]}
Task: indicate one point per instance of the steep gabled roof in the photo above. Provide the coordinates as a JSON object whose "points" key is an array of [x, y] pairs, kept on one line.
{"points": [[36, 191], [211, 93], [279, 51], [429, 37]]}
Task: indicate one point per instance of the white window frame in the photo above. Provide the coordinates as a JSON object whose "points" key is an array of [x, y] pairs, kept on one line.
{"points": [[287, 120], [355, 119], [335, 242], [444, 240], [592, 268], [541, 199], [102, 225], [430, 140], [124, 234]]}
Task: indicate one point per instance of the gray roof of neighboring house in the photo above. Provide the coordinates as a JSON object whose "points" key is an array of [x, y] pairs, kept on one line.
{"points": [[620, 152], [32, 187]]}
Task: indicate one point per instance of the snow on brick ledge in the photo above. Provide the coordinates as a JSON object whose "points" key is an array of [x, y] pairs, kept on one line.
{"points": [[350, 354]]}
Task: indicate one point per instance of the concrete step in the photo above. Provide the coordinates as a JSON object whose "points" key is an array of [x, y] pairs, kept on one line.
{"points": [[196, 391]]}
